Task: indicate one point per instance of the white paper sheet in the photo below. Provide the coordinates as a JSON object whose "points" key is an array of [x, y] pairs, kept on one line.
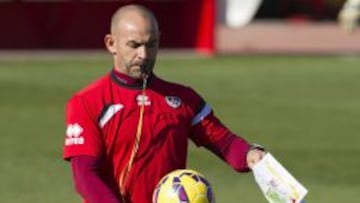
{"points": [[276, 183]]}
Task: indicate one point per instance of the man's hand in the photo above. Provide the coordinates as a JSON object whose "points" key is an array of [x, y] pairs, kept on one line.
{"points": [[254, 155]]}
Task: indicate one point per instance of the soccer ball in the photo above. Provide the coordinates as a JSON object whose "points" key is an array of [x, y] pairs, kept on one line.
{"points": [[183, 186]]}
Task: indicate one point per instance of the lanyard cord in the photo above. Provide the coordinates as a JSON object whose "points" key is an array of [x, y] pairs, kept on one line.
{"points": [[125, 172]]}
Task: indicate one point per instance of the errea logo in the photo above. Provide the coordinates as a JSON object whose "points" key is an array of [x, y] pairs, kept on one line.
{"points": [[73, 135], [143, 100]]}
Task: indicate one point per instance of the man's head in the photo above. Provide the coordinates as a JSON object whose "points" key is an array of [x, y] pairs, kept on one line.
{"points": [[133, 41]]}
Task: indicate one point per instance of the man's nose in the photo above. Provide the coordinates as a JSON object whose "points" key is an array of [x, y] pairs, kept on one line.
{"points": [[142, 52]]}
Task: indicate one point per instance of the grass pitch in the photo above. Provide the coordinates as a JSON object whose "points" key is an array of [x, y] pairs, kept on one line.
{"points": [[305, 110]]}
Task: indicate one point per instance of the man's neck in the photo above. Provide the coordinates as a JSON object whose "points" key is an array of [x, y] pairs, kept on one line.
{"points": [[126, 79]]}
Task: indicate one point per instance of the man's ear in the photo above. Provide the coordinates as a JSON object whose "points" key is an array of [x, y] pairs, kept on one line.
{"points": [[110, 43]]}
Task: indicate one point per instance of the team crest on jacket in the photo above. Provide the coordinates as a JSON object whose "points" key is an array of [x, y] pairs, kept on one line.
{"points": [[173, 101]]}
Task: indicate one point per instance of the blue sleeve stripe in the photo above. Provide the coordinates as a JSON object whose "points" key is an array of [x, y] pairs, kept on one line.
{"points": [[206, 110]]}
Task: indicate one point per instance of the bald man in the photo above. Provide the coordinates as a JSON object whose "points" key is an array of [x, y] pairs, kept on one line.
{"points": [[134, 41], [129, 128]]}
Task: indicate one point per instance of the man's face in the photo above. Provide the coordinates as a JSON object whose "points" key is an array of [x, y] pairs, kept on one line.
{"points": [[136, 45]]}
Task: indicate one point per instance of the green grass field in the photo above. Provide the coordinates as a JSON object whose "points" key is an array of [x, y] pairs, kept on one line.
{"points": [[305, 110]]}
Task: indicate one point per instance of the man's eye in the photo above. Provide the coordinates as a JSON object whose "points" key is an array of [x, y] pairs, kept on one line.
{"points": [[134, 45]]}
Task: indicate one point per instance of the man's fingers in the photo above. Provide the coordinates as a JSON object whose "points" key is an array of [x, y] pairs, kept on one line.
{"points": [[254, 156]]}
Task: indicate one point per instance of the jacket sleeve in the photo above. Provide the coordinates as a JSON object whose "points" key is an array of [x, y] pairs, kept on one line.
{"points": [[233, 150], [208, 131], [88, 182]]}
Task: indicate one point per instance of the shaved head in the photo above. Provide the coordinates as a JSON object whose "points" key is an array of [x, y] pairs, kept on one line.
{"points": [[133, 40], [132, 12]]}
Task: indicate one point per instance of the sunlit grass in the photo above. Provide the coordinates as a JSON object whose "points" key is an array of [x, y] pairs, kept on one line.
{"points": [[305, 110]]}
